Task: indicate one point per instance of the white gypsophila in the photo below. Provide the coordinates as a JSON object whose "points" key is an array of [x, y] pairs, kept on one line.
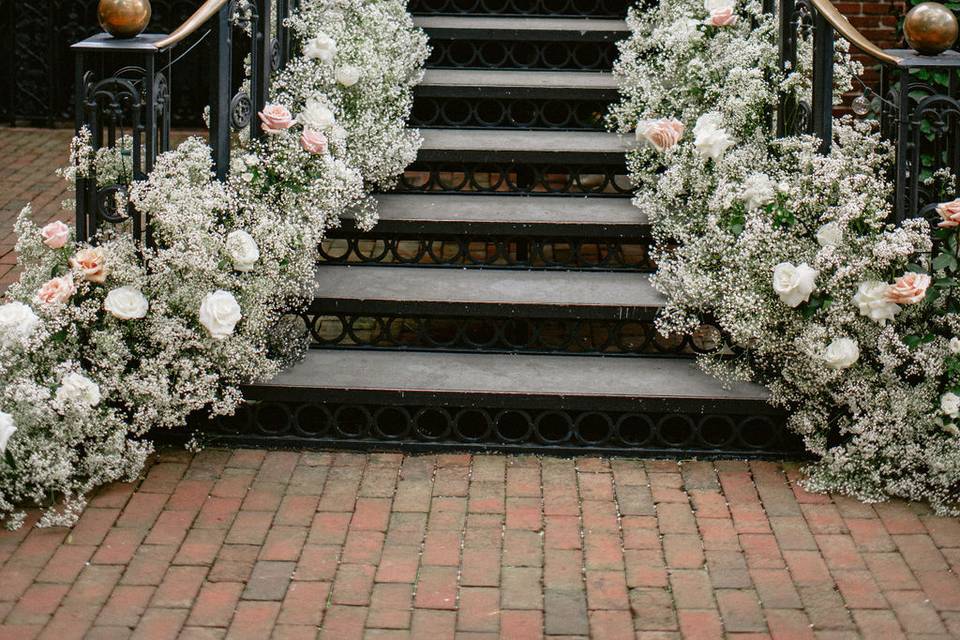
{"points": [[348, 75], [841, 353], [321, 47], [794, 283], [829, 235], [950, 404], [17, 321], [954, 345], [126, 303], [7, 429], [715, 5], [155, 372], [77, 389], [219, 313], [832, 211], [316, 116], [243, 250], [871, 299], [758, 190], [710, 137]]}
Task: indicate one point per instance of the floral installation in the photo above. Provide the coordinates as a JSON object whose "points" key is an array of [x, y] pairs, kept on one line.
{"points": [[851, 322], [101, 343]]}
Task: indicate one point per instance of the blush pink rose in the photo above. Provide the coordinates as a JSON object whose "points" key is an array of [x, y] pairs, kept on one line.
{"points": [[910, 288], [722, 17], [313, 141], [662, 134], [92, 264], [950, 212], [55, 234], [275, 118], [57, 290]]}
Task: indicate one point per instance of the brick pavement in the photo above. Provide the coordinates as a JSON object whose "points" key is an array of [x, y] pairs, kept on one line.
{"points": [[256, 544]]}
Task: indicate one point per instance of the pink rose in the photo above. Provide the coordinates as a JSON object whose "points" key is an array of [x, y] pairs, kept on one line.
{"points": [[910, 288], [92, 263], [662, 134], [275, 118], [313, 141], [57, 290], [722, 17], [55, 234], [950, 212]]}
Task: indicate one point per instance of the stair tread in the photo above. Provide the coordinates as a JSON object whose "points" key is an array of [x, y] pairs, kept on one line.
{"points": [[509, 375], [528, 142], [521, 79], [485, 23], [510, 210], [621, 291]]}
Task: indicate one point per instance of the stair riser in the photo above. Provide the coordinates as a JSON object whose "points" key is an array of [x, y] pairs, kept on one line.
{"points": [[627, 254], [522, 52], [367, 329], [510, 113], [572, 8], [526, 173], [564, 426]]}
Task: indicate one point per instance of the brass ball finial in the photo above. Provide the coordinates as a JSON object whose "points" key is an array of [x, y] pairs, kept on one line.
{"points": [[124, 18], [930, 28]]}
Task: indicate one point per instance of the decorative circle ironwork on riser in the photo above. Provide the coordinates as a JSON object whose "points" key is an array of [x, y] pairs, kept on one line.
{"points": [[591, 8], [505, 335], [436, 427], [495, 54], [470, 251], [484, 177], [438, 112]]}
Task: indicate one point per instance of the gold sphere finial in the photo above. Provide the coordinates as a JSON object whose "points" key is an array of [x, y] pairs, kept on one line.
{"points": [[930, 28], [124, 18]]}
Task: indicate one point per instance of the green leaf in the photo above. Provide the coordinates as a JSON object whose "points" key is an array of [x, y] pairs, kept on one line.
{"points": [[9, 459], [945, 261], [915, 268]]}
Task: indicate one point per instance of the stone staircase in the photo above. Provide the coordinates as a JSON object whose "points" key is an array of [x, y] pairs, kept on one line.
{"points": [[503, 302]]}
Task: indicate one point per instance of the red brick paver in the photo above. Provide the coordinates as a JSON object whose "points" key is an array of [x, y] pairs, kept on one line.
{"points": [[280, 544]]}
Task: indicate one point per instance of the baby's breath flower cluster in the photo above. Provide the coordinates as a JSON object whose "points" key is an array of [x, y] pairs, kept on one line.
{"points": [[101, 343], [851, 322]]}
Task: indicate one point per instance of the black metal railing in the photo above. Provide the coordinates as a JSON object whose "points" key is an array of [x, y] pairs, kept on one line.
{"points": [[124, 96], [919, 116]]}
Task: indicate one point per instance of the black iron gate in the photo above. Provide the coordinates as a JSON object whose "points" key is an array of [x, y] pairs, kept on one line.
{"points": [[36, 73]]}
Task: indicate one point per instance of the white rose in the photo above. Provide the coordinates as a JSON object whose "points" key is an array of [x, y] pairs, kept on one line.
{"points": [[126, 303], [710, 138], [794, 284], [758, 190], [7, 429], [829, 235], [716, 5], [243, 250], [950, 404], [321, 47], [76, 388], [841, 353], [871, 299], [17, 321], [348, 75], [220, 313], [316, 116], [954, 345]]}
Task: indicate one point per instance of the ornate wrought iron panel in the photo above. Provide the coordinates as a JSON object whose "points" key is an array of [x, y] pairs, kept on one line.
{"points": [[469, 177], [481, 426], [591, 8], [505, 113], [505, 335], [467, 251], [39, 82], [495, 54]]}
